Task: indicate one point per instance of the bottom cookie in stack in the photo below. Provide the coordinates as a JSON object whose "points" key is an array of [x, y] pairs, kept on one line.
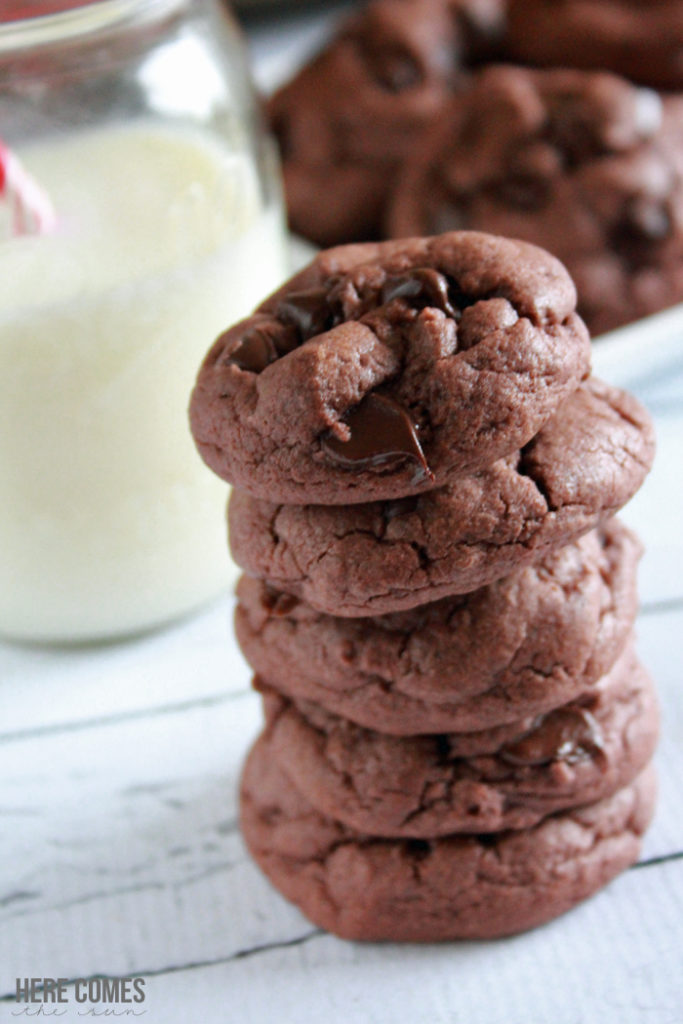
{"points": [[359, 886]]}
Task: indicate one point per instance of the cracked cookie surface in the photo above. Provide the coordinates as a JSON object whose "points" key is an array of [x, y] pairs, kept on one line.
{"points": [[505, 778], [586, 165], [384, 370], [521, 646], [387, 556], [362, 887]]}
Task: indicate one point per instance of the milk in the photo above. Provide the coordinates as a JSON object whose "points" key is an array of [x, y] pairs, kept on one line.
{"points": [[109, 521]]}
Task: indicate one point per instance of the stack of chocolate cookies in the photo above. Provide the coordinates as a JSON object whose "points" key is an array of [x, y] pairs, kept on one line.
{"points": [[438, 604]]}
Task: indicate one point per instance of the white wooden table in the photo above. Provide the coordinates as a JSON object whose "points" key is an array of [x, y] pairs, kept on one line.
{"points": [[121, 853]]}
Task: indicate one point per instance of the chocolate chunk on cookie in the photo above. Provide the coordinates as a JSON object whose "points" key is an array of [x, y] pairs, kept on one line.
{"points": [[348, 119], [387, 556], [363, 887], [585, 165], [427, 786], [640, 39], [521, 646], [385, 370]]}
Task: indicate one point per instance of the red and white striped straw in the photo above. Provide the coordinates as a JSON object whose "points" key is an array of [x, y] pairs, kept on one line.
{"points": [[32, 212]]}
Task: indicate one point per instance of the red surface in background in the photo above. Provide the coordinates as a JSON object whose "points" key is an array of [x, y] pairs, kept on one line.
{"points": [[18, 10]]}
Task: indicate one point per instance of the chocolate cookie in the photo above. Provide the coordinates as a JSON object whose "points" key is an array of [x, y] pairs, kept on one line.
{"points": [[362, 887], [348, 119], [586, 165], [521, 646], [427, 786], [387, 556], [384, 370], [640, 39]]}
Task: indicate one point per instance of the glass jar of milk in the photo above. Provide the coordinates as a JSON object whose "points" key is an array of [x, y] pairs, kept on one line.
{"points": [[137, 119]]}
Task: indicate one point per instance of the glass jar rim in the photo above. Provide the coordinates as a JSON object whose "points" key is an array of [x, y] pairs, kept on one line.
{"points": [[32, 23]]}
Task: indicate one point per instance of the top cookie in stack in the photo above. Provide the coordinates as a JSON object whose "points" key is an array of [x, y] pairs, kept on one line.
{"points": [[388, 370]]}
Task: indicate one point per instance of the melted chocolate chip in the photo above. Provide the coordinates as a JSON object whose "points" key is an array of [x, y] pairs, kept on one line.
{"points": [[567, 734], [255, 351], [424, 284], [308, 311], [382, 434]]}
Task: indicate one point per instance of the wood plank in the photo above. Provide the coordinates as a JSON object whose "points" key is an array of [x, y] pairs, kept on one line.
{"points": [[120, 846], [613, 960], [193, 660]]}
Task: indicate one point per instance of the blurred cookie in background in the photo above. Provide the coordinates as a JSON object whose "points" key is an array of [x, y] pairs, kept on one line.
{"points": [[586, 165], [349, 118]]}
